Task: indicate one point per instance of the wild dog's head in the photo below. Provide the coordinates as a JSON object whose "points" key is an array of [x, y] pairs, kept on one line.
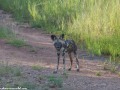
{"points": [[58, 41]]}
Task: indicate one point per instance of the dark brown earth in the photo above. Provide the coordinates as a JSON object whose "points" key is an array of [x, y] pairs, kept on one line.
{"points": [[40, 51]]}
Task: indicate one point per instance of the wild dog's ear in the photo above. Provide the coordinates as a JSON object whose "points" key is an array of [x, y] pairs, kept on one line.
{"points": [[53, 37], [61, 36]]}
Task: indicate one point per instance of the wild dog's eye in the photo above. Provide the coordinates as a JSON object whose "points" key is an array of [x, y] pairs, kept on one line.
{"points": [[55, 44]]}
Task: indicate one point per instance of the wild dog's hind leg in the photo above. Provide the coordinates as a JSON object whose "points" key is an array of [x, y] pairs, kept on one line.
{"points": [[71, 61], [58, 54], [77, 61]]}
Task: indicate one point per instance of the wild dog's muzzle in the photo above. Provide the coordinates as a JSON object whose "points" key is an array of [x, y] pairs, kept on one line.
{"points": [[58, 45]]}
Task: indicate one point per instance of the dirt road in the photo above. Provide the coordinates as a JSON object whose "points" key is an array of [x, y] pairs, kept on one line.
{"points": [[40, 51]]}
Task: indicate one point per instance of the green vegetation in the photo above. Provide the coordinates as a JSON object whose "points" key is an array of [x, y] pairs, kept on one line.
{"points": [[93, 24], [17, 71], [11, 77], [28, 85], [37, 67], [55, 81], [11, 38], [65, 74], [98, 73], [5, 33], [17, 42], [110, 66], [6, 69], [15, 76]]}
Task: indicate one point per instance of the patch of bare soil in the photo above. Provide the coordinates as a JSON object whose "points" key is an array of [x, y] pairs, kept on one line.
{"points": [[40, 51]]}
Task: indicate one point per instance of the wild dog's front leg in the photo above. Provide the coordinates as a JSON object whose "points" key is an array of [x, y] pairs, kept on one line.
{"points": [[63, 61], [58, 55], [71, 61]]}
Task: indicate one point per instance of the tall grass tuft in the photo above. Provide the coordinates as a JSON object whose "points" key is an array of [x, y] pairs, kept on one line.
{"points": [[94, 23]]}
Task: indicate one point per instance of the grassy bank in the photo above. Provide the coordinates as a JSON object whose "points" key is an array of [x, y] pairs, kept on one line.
{"points": [[94, 23], [10, 37]]}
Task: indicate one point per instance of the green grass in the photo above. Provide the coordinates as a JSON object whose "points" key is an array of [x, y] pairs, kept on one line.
{"points": [[15, 76], [17, 71], [37, 67], [11, 77], [98, 73], [6, 69], [93, 24], [17, 42], [110, 66], [10, 37], [54, 82], [28, 85], [5, 33]]}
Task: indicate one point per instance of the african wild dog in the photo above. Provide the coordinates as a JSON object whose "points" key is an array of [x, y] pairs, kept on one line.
{"points": [[65, 46]]}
